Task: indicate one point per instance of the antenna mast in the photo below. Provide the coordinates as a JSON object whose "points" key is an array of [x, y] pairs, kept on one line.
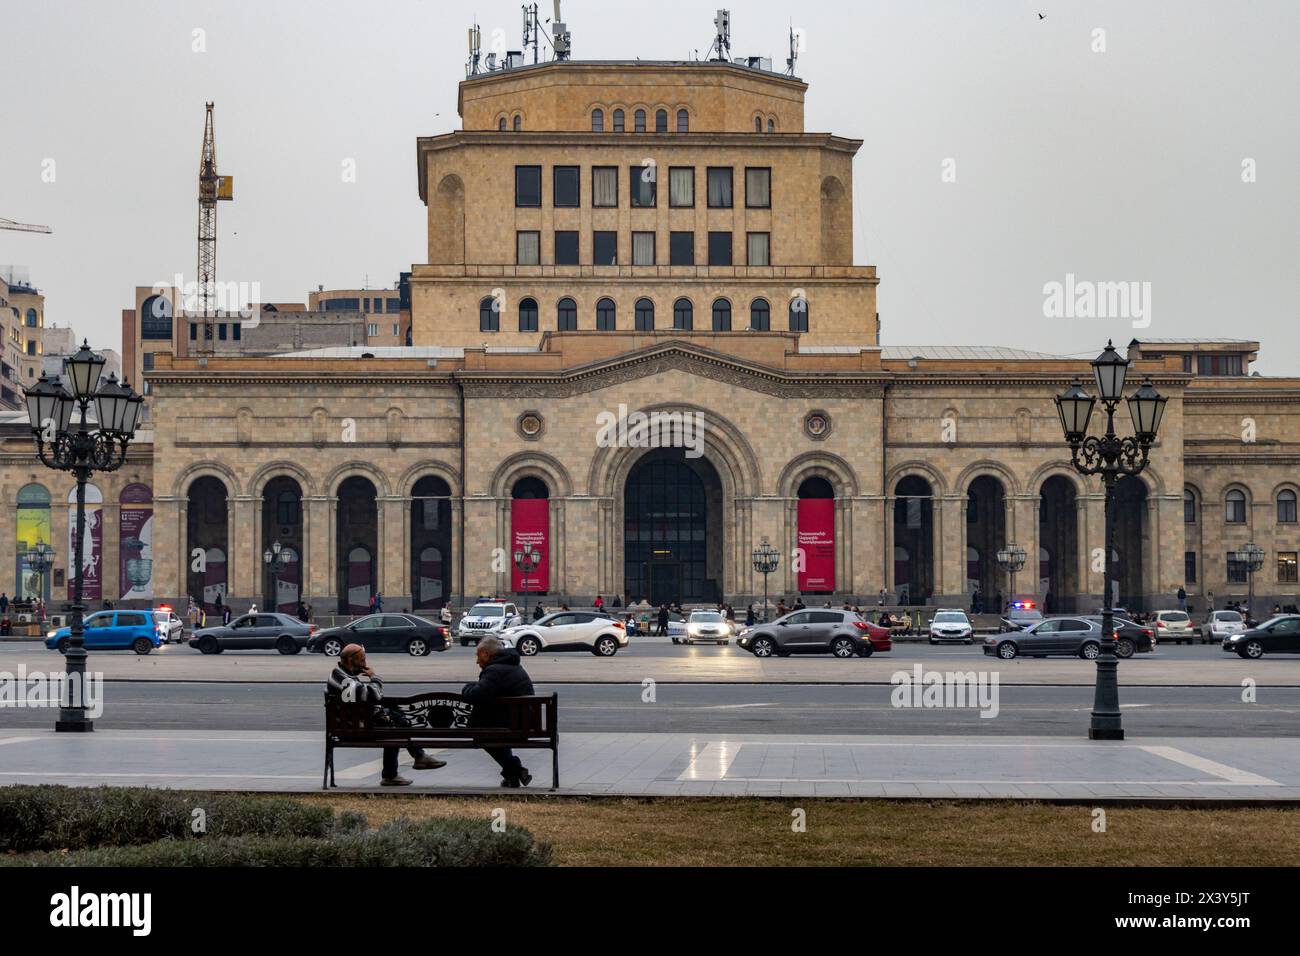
{"points": [[475, 47], [531, 30], [722, 41], [794, 53], [562, 43]]}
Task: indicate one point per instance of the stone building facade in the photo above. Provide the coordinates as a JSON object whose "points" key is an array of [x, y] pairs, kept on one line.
{"points": [[417, 471]]}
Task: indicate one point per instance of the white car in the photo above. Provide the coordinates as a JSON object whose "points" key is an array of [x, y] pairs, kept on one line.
{"points": [[710, 626], [170, 627], [487, 618], [1173, 626], [569, 631], [950, 624], [1221, 624]]}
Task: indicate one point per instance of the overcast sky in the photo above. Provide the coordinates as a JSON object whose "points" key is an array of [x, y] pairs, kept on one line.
{"points": [[1117, 166]]}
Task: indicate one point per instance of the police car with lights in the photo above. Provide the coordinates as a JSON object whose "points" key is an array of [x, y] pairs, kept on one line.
{"points": [[1020, 616]]}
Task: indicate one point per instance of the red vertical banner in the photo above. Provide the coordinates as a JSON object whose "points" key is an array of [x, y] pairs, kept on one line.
{"points": [[529, 529], [817, 539]]}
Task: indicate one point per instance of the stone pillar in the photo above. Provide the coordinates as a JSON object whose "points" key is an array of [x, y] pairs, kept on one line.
{"points": [[887, 552], [393, 578], [455, 585], [318, 543], [1026, 535], [952, 550], [242, 583], [1092, 540]]}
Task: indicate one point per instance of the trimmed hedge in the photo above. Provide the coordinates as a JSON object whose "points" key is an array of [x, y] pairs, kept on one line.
{"points": [[447, 842], [73, 818], [119, 826]]}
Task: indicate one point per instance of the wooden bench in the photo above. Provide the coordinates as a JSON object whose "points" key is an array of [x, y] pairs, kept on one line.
{"points": [[441, 721]]}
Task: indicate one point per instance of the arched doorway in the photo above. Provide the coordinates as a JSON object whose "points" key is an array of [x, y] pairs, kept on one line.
{"points": [[207, 546], [672, 547], [815, 533], [986, 533], [430, 542], [357, 535], [282, 523], [1058, 524], [1130, 543], [913, 540]]}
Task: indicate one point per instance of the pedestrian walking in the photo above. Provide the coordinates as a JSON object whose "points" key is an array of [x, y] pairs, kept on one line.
{"points": [[4, 602], [600, 603], [663, 619], [1182, 598], [749, 616], [445, 615], [225, 615]]}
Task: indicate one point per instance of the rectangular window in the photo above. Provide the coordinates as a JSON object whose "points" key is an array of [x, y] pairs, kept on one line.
{"points": [[604, 248], [1218, 365], [643, 248], [719, 248], [758, 188], [148, 361], [567, 186], [719, 187], [681, 249], [604, 186], [365, 305], [528, 248], [31, 346], [681, 187], [1286, 568], [528, 186], [372, 329], [396, 333], [221, 331], [1286, 507], [1236, 570], [641, 180], [235, 328], [194, 332], [1189, 567], [759, 249], [566, 248]]}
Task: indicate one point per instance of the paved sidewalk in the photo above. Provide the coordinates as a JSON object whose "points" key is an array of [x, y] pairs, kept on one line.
{"points": [[690, 764]]}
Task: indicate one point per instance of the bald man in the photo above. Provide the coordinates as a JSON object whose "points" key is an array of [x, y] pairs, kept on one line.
{"points": [[354, 681]]}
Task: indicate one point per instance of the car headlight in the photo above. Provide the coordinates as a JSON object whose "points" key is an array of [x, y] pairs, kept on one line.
{"points": [[51, 633]]}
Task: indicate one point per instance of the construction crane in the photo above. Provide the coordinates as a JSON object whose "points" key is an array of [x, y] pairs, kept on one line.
{"points": [[213, 188], [22, 226]]}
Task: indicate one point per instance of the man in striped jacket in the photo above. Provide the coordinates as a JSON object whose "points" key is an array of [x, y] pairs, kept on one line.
{"points": [[353, 681]]}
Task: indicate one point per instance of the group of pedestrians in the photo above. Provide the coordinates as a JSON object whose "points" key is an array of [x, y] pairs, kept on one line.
{"points": [[500, 675]]}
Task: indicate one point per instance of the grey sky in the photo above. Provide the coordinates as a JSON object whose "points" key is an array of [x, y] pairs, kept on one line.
{"points": [[1124, 165]]}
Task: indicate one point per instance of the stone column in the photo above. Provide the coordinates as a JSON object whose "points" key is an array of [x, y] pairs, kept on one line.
{"points": [[1026, 535], [394, 578], [952, 550], [241, 579]]}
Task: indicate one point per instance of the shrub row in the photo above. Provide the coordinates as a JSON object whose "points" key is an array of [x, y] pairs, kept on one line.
{"points": [[443, 842]]}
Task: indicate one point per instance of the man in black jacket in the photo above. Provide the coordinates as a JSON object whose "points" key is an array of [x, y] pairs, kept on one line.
{"points": [[501, 675]]}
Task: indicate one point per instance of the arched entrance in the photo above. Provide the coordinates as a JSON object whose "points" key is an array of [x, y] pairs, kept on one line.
{"points": [[913, 540], [672, 539], [282, 523], [986, 533], [1130, 543], [358, 544], [430, 542], [816, 536], [1058, 525], [530, 529], [206, 530]]}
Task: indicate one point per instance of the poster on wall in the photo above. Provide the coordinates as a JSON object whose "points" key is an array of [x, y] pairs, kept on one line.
{"points": [[214, 578], [529, 523], [287, 583], [92, 546], [430, 578], [33, 529], [135, 543], [816, 533]]}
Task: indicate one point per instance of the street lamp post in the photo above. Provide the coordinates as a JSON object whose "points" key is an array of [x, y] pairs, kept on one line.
{"points": [[274, 558], [1112, 458], [1251, 556], [40, 558], [1011, 559], [527, 560], [766, 559], [82, 450]]}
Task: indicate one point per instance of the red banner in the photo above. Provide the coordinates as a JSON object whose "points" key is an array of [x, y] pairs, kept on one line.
{"points": [[817, 539], [529, 524]]}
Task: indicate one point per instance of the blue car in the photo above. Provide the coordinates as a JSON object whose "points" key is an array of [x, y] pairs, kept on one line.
{"points": [[110, 631]]}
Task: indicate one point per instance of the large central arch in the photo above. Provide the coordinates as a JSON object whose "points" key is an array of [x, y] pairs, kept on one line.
{"points": [[673, 549]]}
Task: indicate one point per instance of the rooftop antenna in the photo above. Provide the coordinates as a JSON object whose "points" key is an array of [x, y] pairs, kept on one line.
{"points": [[722, 41], [475, 47], [794, 53], [531, 30], [563, 42]]}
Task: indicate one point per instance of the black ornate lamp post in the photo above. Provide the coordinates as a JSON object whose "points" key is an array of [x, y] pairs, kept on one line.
{"points": [[1112, 458], [527, 560], [82, 450], [1011, 559], [766, 559], [275, 558], [1251, 557], [40, 558]]}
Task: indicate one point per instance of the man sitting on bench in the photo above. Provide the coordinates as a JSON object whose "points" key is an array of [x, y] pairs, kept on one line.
{"points": [[501, 675], [353, 681]]}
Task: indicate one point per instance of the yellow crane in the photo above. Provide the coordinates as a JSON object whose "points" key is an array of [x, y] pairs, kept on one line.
{"points": [[22, 226], [212, 189]]}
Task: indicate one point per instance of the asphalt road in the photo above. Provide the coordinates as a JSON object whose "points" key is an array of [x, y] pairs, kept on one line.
{"points": [[731, 708]]}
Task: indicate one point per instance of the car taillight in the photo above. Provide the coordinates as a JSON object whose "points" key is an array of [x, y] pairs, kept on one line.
{"points": [[1148, 632], [311, 629], [620, 624], [860, 625], [1160, 623]]}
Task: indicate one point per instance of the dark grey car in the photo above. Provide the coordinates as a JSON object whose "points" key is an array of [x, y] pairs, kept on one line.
{"points": [[253, 632], [810, 631], [1055, 636]]}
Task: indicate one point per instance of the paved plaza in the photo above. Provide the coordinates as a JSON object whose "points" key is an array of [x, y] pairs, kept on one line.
{"points": [[690, 764]]}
